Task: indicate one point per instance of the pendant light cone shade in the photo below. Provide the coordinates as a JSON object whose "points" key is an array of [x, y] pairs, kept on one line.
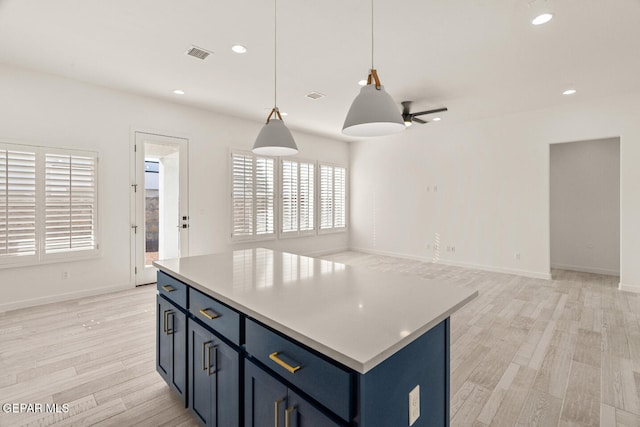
{"points": [[373, 113], [275, 140]]}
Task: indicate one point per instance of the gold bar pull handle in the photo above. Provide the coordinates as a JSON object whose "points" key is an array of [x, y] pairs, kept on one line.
{"points": [[276, 412], [164, 322], [215, 359], [170, 330], [287, 416], [168, 288], [209, 314], [204, 352], [292, 369]]}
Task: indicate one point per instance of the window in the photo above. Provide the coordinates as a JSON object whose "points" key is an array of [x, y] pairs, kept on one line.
{"points": [[297, 195], [70, 203], [333, 195], [48, 203], [252, 196]]}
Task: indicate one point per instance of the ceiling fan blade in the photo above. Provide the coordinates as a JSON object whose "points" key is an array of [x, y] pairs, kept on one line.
{"points": [[417, 120], [406, 106], [437, 110]]}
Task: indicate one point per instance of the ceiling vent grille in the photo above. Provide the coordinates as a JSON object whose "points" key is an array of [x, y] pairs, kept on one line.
{"points": [[198, 52], [315, 95]]}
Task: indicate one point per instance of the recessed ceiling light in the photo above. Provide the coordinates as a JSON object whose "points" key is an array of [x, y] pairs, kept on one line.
{"points": [[543, 18], [238, 48], [569, 92], [362, 82], [178, 92], [436, 119]]}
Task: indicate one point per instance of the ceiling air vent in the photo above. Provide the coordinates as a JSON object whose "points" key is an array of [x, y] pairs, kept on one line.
{"points": [[198, 52], [315, 95]]}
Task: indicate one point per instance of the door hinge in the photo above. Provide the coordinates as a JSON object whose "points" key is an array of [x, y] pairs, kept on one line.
{"points": [[135, 187], [135, 229], [135, 148], [135, 270]]}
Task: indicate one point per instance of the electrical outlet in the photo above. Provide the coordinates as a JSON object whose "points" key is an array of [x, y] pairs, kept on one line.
{"points": [[65, 275], [414, 405], [517, 256]]}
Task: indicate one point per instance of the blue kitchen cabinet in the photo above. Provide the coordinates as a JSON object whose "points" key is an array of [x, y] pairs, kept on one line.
{"points": [[171, 345], [268, 403], [214, 375]]}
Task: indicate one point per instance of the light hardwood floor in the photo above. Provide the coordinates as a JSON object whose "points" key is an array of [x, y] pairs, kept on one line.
{"points": [[563, 352]]}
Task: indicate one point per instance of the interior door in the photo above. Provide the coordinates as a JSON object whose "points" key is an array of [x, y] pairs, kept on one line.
{"points": [[160, 227]]}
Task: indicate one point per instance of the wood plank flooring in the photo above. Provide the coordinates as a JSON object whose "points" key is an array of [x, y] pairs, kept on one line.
{"points": [[564, 352]]}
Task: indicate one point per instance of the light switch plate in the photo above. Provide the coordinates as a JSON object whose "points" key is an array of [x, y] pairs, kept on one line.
{"points": [[414, 405]]}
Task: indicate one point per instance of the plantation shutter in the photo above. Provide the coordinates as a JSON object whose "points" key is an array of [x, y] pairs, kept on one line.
{"points": [[339, 197], [17, 203], [326, 197], [242, 195], [265, 196], [289, 196], [253, 196], [70, 212], [306, 198]]}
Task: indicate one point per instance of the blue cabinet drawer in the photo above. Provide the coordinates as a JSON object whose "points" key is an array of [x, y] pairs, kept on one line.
{"points": [[172, 289], [215, 315], [329, 384]]}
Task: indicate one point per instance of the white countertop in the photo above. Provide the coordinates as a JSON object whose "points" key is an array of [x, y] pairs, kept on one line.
{"points": [[356, 316]]}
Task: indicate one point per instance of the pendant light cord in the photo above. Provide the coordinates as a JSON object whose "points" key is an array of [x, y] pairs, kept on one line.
{"points": [[275, 53], [372, 67]]}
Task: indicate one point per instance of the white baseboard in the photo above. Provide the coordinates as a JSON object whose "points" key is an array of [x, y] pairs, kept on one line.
{"points": [[525, 273], [32, 302], [583, 269], [629, 288]]}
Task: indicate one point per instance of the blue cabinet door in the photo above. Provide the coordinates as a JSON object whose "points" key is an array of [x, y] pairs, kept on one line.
{"points": [[171, 345], [270, 403], [300, 413], [265, 398], [214, 376]]}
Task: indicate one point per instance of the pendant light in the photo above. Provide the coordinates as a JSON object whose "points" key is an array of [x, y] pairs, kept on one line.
{"points": [[275, 139], [373, 112]]}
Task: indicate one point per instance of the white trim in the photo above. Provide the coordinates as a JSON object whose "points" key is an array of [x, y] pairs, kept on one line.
{"points": [[629, 288], [525, 273], [68, 296], [582, 269]]}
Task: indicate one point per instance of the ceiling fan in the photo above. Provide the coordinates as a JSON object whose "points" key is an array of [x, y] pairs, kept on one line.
{"points": [[410, 117]]}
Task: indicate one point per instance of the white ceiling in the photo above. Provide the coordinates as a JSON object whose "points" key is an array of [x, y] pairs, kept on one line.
{"points": [[480, 58]]}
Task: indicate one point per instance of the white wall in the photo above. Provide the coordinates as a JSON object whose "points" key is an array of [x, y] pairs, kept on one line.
{"points": [[585, 206], [493, 186], [51, 111]]}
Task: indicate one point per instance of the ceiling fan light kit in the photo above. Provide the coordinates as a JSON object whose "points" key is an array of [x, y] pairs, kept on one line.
{"points": [[275, 139], [410, 117]]}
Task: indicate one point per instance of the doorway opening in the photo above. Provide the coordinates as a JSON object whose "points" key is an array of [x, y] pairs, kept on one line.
{"points": [[585, 208], [161, 214]]}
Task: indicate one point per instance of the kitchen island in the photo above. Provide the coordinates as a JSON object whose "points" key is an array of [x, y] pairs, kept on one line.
{"points": [[260, 337]]}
